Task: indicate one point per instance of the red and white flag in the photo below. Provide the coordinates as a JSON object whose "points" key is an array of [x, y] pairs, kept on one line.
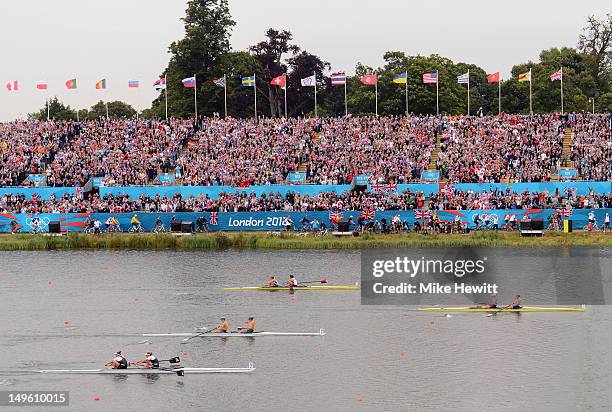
{"points": [[558, 75], [279, 81], [12, 86], [369, 79], [41, 85], [493, 77]]}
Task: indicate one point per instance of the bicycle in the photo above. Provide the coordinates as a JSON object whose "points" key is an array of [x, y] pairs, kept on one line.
{"points": [[113, 229], [137, 228], [591, 227], [160, 228]]}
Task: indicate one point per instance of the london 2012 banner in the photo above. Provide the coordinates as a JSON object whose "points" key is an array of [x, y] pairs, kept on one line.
{"points": [[274, 221]]}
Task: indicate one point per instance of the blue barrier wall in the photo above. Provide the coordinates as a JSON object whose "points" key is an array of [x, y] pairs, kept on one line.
{"points": [[581, 188], [43, 192], [246, 221]]}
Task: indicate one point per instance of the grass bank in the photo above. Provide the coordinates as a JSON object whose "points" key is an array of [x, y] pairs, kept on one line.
{"points": [[149, 241]]}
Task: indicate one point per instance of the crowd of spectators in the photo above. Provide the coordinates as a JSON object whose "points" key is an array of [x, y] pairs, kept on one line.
{"points": [[592, 147], [447, 199], [242, 152], [504, 148]]}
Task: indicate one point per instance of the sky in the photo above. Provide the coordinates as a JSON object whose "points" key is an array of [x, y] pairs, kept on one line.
{"points": [[54, 41]]}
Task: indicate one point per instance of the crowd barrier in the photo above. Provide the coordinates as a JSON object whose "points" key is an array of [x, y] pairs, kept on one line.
{"points": [[247, 221], [44, 193]]}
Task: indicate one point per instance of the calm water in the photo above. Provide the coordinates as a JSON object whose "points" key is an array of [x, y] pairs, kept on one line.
{"points": [[405, 360]]}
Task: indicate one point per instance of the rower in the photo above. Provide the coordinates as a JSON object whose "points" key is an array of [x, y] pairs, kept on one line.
{"points": [[516, 304], [292, 282], [223, 327], [250, 326], [150, 361], [492, 303], [272, 282], [118, 362]]}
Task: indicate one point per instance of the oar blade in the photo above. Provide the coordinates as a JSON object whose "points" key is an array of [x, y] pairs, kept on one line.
{"points": [[180, 372]]}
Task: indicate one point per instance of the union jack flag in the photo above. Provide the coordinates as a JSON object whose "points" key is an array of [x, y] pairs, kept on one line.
{"points": [[335, 216], [421, 214], [368, 214], [564, 212], [214, 218]]}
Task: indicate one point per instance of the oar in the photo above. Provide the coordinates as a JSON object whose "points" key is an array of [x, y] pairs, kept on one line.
{"points": [[495, 313], [315, 281], [176, 359], [195, 336]]}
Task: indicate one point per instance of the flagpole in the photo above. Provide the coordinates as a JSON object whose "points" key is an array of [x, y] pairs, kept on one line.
{"points": [[255, 87], [468, 96], [106, 104], [562, 90], [345, 101], [166, 90], [376, 93], [499, 95], [195, 96], [47, 106], [285, 96], [225, 93], [406, 90], [437, 94], [315, 86], [530, 101]]}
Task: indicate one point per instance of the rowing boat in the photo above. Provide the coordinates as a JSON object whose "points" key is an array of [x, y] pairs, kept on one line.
{"points": [[311, 288], [232, 334], [146, 371], [523, 309]]}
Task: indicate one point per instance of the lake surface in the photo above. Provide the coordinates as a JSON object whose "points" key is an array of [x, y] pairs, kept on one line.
{"points": [[64, 310]]}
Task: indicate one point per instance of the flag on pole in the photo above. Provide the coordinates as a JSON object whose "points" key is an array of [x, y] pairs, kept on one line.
{"points": [[401, 78], [369, 79], [71, 84], [12, 86], [493, 77], [248, 81], [463, 79], [338, 79], [219, 83], [133, 83], [41, 85], [430, 78], [558, 75], [309, 81], [160, 84], [525, 77], [101, 84], [189, 82], [280, 81]]}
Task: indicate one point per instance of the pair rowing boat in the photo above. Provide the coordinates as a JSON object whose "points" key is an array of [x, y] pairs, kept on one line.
{"points": [[523, 309], [321, 332], [146, 371], [310, 288]]}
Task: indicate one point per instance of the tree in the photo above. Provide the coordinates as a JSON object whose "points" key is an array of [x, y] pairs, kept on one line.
{"points": [[57, 111], [207, 32], [116, 110], [596, 43], [269, 54], [301, 99]]}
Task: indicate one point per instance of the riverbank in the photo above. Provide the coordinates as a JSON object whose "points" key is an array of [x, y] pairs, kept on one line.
{"points": [[150, 241]]}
